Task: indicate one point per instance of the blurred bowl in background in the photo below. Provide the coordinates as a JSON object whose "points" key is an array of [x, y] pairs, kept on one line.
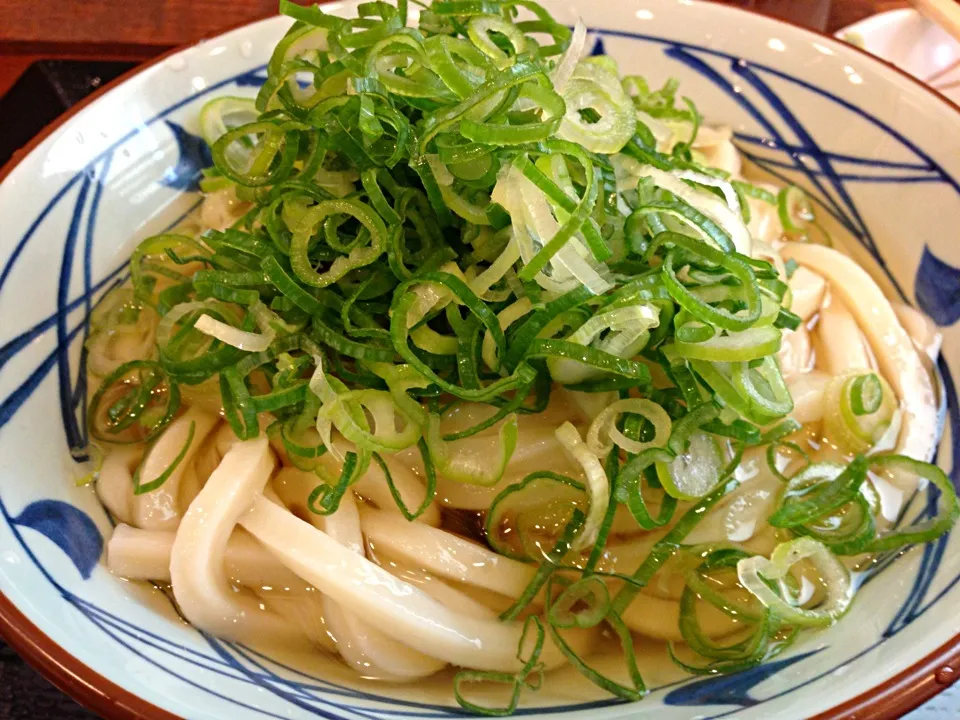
{"points": [[912, 43]]}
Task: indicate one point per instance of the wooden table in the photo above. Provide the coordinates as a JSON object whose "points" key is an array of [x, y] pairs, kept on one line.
{"points": [[141, 29]]}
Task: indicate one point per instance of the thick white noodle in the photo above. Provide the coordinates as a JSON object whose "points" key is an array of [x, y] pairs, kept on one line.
{"points": [[221, 209], [625, 557], [363, 647], [115, 483], [305, 615], [373, 486], [438, 589], [225, 439], [190, 486], [841, 347], [537, 449], [660, 619], [589, 404], [898, 360], [160, 509], [445, 554], [922, 330], [807, 391], [197, 572], [718, 149], [397, 608], [796, 352], [205, 396], [140, 554], [806, 291], [145, 555], [741, 516], [110, 348], [195, 475], [656, 609], [205, 461], [764, 222]]}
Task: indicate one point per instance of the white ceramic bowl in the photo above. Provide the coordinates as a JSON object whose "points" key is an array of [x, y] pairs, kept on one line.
{"points": [[880, 154], [913, 43]]}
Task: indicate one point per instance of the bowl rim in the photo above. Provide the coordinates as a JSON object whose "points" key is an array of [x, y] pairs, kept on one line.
{"points": [[888, 700]]}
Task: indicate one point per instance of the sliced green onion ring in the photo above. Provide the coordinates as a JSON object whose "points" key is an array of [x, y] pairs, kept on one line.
{"points": [[471, 468], [755, 572], [603, 433]]}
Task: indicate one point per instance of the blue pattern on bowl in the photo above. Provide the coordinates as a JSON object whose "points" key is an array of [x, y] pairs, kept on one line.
{"points": [[938, 289], [69, 528], [194, 156], [731, 689]]}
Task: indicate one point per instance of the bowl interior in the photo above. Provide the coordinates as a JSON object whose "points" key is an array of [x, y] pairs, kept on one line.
{"points": [[879, 154]]}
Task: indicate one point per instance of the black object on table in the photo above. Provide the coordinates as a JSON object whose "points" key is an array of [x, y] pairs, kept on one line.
{"points": [[46, 90], [25, 695]]}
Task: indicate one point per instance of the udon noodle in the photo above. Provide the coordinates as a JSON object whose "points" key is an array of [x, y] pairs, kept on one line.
{"points": [[647, 400]]}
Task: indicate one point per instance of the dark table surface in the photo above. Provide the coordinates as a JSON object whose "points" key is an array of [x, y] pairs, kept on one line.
{"points": [[52, 55], [71, 29], [90, 27]]}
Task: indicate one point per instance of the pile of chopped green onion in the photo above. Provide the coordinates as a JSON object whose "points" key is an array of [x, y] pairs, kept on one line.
{"points": [[468, 211]]}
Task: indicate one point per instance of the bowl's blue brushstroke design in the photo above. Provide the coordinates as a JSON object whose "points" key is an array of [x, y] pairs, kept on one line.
{"points": [[938, 289], [916, 603], [912, 173], [731, 689], [799, 151], [73, 388], [811, 147], [287, 691], [255, 78], [826, 182], [71, 426], [826, 173], [770, 124], [69, 527], [13, 346], [31, 232], [130, 640], [72, 393], [598, 48], [194, 156], [689, 57]]}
